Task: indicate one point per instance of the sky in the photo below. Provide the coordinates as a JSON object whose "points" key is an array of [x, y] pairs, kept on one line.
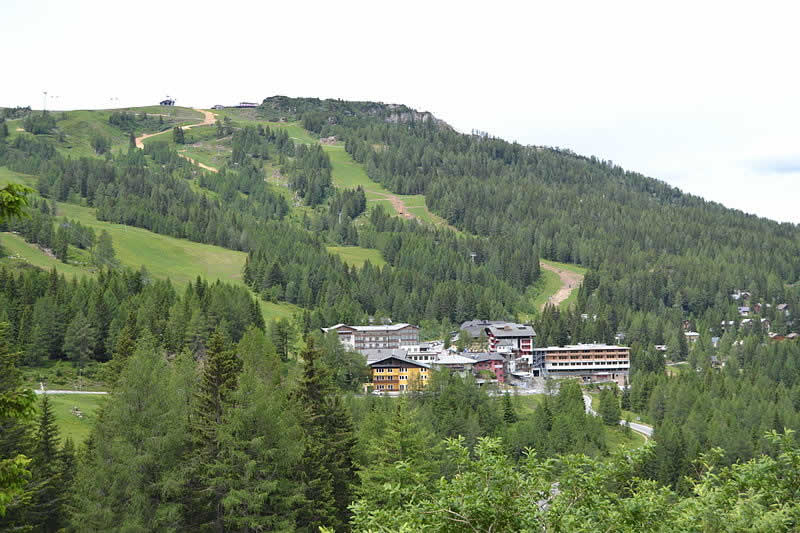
{"points": [[703, 95]]}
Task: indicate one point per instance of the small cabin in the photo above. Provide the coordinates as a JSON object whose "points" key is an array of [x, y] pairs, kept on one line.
{"points": [[168, 101]]}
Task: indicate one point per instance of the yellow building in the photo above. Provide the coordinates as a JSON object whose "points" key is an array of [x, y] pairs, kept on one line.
{"points": [[397, 374]]}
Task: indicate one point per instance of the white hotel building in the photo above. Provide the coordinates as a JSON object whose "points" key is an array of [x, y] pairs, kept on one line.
{"points": [[592, 362]]}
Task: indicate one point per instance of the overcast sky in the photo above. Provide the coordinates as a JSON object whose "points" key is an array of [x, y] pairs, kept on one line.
{"points": [[703, 95]]}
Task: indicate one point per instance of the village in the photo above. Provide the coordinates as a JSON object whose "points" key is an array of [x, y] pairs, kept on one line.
{"points": [[505, 354], [494, 352]]}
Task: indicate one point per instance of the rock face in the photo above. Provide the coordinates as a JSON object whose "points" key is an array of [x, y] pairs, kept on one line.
{"points": [[404, 115]]}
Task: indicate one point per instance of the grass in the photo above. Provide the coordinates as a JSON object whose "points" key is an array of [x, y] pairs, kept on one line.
{"points": [[627, 439], [180, 260], [634, 417], [78, 127], [525, 405], [546, 286], [357, 256], [20, 251], [165, 257], [70, 425], [10, 176], [566, 266], [64, 375]]}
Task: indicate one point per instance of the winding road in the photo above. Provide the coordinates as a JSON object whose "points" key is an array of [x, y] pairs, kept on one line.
{"points": [[647, 431]]}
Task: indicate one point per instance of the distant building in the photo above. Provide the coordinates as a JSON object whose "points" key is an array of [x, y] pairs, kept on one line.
{"points": [[218, 106], [744, 310], [455, 363], [691, 336], [592, 362], [424, 352], [510, 338], [476, 328], [492, 362], [361, 338], [397, 374], [168, 101], [247, 104]]}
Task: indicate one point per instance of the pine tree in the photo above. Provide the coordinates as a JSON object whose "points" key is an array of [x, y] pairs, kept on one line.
{"points": [[104, 255], [16, 405], [329, 470], [609, 408], [49, 492], [260, 446], [80, 340], [221, 367], [509, 415]]}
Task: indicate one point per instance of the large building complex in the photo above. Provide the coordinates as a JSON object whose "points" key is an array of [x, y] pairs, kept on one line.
{"points": [[397, 374], [384, 337], [595, 362]]}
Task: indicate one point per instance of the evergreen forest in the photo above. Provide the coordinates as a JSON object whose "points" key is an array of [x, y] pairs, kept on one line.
{"points": [[218, 417]]}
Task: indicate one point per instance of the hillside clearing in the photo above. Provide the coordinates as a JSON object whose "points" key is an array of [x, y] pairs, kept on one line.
{"points": [[570, 277], [357, 256]]}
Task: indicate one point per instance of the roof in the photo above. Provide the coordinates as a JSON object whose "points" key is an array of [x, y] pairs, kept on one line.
{"points": [[481, 357], [385, 327], [476, 327], [571, 347], [387, 362], [509, 329], [376, 354], [453, 360]]}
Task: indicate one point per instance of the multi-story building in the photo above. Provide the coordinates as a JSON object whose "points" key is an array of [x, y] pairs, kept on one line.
{"points": [[510, 338], [492, 362], [592, 362], [397, 374], [385, 337], [425, 352]]}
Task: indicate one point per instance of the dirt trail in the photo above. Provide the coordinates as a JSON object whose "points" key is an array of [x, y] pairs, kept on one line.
{"points": [[198, 163], [397, 203], [208, 118], [569, 282]]}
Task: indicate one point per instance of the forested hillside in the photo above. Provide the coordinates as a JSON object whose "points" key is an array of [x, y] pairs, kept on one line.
{"points": [[218, 420]]}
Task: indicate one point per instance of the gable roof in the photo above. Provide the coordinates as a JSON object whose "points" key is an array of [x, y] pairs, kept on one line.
{"points": [[392, 361]]}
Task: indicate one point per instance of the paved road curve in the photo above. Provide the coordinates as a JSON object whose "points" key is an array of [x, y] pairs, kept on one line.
{"points": [[647, 431]]}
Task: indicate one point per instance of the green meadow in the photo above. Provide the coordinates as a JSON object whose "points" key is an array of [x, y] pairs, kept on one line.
{"points": [[357, 256], [69, 423]]}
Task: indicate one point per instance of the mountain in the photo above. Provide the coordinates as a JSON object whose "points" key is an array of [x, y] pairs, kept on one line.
{"points": [[328, 211]]}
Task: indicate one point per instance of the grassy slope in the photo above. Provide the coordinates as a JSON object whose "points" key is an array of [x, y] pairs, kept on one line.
{"points": [[81, 125], [165, 257], [356, 255], [69, 424]]}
